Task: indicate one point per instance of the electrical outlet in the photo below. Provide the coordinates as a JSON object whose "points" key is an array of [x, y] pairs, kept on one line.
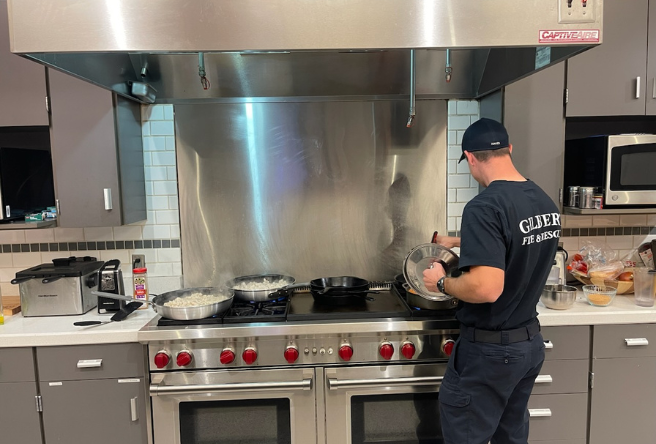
{"points": [[576, 11], [141, 261]]}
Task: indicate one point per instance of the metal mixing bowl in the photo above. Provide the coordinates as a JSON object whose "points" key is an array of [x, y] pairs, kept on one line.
{"points": [[558, 297]]}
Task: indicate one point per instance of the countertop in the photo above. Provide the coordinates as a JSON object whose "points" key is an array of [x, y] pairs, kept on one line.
{"points": [[622, 310], [20, 331]]}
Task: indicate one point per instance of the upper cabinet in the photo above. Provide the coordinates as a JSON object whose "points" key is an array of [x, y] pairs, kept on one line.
{"points": [[22, 84], [618, 77], [97, 155]]}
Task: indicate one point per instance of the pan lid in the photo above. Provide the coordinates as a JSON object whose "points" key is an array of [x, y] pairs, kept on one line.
{"points": [[64, 267], [419, 259]]}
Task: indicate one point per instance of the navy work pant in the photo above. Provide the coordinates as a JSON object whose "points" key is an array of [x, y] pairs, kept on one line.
{"points": [[484, 394]]}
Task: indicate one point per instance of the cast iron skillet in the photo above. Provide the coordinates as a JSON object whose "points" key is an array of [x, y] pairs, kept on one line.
{"points": [[340, 290]]}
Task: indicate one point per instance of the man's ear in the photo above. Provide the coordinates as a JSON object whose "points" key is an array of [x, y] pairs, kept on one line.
{"points": [[510, 148], [470, 157]]}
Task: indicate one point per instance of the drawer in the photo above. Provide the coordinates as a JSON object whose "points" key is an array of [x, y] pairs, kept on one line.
{"points": [[16, 365], [567, 342], [558, 417], [73, 363], [567, 441], [620, 341], [565, 376]]}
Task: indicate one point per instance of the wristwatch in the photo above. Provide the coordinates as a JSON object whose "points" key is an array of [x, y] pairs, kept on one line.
{"points": [[440, 285]]}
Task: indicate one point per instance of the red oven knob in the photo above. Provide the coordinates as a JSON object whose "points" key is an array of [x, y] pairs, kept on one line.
{"points": [[447, 348], [183, 359], [345, 352], [291, 354], [408, 350], [227, 356], [162, 359], [386, 350], [250, 355]]}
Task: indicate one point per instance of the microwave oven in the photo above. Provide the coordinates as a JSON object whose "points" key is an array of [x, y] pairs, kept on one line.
{"points": [[622, 167]]}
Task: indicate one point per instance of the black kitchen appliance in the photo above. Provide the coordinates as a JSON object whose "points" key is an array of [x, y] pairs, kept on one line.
{"points": [[110, 280]]}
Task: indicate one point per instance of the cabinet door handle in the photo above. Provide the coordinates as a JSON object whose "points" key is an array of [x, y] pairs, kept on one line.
{"points": [[108, 198], [544, 379], [637, 87], [653, 89], [548, 344], [134, 412], [635, 342], [89, 363], [58, 207], [539, 413]]}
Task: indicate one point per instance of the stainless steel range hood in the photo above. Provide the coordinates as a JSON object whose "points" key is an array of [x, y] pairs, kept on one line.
{"points": [[290, 49]]}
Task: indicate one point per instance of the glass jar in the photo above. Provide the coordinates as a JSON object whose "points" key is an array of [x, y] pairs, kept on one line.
{"points": [[140, 280]]}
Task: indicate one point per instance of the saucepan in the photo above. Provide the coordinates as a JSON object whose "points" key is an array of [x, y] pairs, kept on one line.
{"points": [[184, 313]]}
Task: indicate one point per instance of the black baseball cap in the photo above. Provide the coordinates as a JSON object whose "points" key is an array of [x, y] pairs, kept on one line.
{"points": [[484, 135]]}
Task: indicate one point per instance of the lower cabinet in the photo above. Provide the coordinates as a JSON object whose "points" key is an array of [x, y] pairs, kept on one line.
{"points": [[623, 398]]}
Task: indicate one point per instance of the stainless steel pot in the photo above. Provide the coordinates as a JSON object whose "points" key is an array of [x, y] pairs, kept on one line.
{"points": [[428, 302], [259, 295], [183, 313]]}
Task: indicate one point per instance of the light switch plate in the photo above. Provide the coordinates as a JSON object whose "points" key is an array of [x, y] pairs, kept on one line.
{"points": [[142, 261], [576, 13]]}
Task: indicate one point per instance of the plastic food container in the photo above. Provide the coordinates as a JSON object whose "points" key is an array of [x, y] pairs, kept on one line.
{"points": [[599, 296]]}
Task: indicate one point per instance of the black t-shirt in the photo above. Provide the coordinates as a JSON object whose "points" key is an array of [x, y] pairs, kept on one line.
{"points": [[513, 226]]}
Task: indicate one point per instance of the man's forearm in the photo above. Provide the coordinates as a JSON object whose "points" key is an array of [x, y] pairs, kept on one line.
{"points": [[469, 288]]}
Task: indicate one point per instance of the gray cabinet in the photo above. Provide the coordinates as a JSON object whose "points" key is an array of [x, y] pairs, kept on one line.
{"points": [[650, 94], [623, 397], [22, 84], [97, 155], [611, 80], [94, 394], [19, 417], [533, 115]]}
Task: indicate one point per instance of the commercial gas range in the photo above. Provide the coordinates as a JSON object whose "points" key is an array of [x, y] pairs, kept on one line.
{"points": [[291, 371]]}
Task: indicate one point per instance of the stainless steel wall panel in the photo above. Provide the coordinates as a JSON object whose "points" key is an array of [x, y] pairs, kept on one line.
{"points": [[310, 189]]}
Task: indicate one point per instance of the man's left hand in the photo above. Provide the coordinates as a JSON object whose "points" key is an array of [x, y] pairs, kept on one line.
{"points": [[432, 275]]}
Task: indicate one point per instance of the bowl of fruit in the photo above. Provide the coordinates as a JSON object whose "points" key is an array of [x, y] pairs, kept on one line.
{"points": [[612, 274]]}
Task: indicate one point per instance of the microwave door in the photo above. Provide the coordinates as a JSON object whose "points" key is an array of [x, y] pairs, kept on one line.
{"points": [[631, 172]]}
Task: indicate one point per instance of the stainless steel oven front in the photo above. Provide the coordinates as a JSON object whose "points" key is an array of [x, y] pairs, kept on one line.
{"points": [[261, 406], [383, 404]]}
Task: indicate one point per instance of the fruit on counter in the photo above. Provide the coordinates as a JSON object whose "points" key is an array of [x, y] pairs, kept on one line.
{"points": [[626, 276], [577, 258], [580, 266]]}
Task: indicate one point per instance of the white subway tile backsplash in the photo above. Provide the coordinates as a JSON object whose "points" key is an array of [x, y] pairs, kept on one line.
{"points": [[451, 137], [157, 232], [170, 143], [458, 223], [454, 152], [451, 195], [154, 143], [468, 107], [98, 234], [641, 239], [162, 128], [148, 159], [160, 285], [171, 173], [570, 244], [165, 188], [7, 289], [173, 202], [167, 217], [466, 194], [163, 158], [48, 256], [633, 220], [25, 260], [175, 231], [458, 181], [458, 122], [68, 234], [608, 220], [473, 183], [177, 269], [154, 112], [463, 168], [151, 218], [122, 255], [156, 173], [451, 223], [620, 242], [40, 235], [168, 112], [454, 209], [452, 166], [128, 232], [12, 236], [160, 269], [595, 239], [459, 137], [168, 255], [578, 221], [149, 254], [651, 220], [453, 107], [7, 274], [145, 128], [157, 202], [6, 260], [149, 189]]}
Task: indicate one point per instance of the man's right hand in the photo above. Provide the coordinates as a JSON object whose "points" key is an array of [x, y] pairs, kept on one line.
{"points": [[448, 241]]}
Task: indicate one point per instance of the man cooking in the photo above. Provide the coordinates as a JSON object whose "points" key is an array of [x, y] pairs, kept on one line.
{"points": [[509, 237]]}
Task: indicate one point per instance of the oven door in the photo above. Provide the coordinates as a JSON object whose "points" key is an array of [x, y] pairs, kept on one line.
{"points": [[383, 404], [631, 175], [236, 406]]}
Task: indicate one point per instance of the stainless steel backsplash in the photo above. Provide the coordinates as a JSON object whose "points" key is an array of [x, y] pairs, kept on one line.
{"points": [[310, 189]]}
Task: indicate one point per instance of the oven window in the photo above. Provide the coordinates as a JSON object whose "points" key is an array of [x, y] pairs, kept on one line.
{"points": [[632, 168], [396, 419], [256, 421]]}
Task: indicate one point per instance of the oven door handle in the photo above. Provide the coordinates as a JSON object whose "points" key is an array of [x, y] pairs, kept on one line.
{"points": [[336, 384], [175, 390]]}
